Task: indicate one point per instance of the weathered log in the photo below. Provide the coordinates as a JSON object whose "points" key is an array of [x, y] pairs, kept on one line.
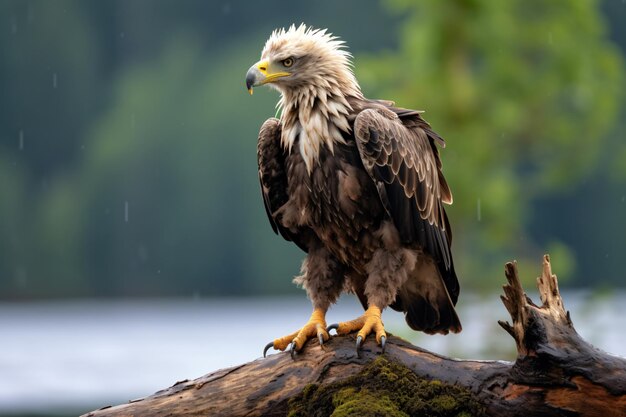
{"points": [[556, 373]]}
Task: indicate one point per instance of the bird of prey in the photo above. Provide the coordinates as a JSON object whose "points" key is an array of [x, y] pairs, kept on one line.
{"points": [[357, 184]]}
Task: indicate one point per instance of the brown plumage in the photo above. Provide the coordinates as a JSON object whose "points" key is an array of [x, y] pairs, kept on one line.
{"points": [[357, 184]]}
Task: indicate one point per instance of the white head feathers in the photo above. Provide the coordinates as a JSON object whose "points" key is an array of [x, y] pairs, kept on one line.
{"points": [[314, 97], [303, 39]]}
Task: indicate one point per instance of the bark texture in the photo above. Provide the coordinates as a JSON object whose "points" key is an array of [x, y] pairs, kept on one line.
{"points": [[556, 373]]}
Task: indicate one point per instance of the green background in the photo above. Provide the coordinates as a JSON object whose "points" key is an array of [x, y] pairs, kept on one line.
{"points": [[128, 140]]}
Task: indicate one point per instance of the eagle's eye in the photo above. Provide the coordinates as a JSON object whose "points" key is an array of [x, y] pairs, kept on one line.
{"points": [[287, 62]]}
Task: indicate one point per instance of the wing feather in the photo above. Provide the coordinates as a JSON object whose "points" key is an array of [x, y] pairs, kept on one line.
{"points": [[273, 178], [398, 148]]}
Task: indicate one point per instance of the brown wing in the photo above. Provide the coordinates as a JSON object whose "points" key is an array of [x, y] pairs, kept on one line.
{"points": [[398, 150], [273, 178]]}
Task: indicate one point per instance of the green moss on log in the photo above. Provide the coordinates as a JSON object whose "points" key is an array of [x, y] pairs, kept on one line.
{"points": [[385, 388]]}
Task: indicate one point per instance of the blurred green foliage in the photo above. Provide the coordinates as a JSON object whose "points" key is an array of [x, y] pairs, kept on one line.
{"points": [[128, 141], [526, 93]]}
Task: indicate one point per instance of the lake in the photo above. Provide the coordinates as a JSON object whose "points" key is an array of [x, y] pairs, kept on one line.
{"points": [[73, 356]]}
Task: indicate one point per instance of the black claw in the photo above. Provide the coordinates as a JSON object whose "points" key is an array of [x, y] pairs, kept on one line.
{"points": [[293, 351], [383, 340], [333, 326], [267, 347], [321, 338], [359, 340]]}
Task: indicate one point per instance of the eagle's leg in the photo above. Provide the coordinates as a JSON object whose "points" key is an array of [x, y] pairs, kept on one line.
{"points": [[369, 322], [322, 277], [387, 271], [316, 326]]}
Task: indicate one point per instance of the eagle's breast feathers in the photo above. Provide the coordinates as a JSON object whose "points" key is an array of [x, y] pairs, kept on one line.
{"points": [[315, 119]]}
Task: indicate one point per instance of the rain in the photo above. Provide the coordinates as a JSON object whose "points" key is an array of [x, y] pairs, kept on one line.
{"points": [[144, 102]]}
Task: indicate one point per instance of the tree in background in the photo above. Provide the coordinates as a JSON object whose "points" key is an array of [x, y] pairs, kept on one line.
{"points": [[523, 91], [127, 139], [128, 146]]}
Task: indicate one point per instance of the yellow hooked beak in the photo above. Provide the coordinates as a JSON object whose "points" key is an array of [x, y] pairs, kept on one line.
{"points": [[261, 73]]}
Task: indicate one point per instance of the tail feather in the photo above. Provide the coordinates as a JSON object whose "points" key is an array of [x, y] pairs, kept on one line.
{"points": [[440, 319], [425, 300]]}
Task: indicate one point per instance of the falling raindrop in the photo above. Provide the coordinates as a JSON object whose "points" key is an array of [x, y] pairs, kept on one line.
{"points": [[21, 140], [122, 35], [549, 38], [13, 25], [126, 211], [478, 210], [624, 196], [54, 80], [132, 121]]}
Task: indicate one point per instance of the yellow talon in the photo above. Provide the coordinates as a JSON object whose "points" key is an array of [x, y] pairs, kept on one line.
{"points": [[369, 322], [315, 327]]}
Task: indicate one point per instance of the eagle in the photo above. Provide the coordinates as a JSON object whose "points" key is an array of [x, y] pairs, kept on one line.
{"points": [[357, 184]]}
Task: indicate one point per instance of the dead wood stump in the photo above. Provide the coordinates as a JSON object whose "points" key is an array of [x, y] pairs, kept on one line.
{"points": [[556, 373]]}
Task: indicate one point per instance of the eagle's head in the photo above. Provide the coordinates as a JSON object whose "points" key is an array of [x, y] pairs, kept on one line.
{"points": [[303, 60], [313, 73]]}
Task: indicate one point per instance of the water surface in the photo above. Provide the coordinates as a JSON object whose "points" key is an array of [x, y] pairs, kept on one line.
{"points": [[80, 355]]}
